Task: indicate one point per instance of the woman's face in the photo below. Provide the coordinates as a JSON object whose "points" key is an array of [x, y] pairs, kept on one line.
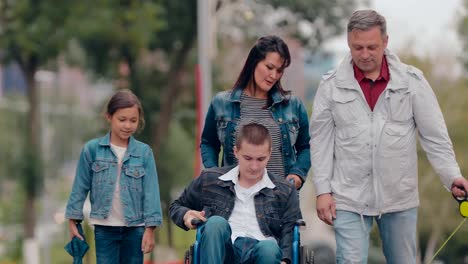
{"points": [[268, 71]]}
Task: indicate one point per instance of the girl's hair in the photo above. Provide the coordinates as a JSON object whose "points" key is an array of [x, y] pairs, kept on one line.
{"points": [[262, 47], [124, 99]]}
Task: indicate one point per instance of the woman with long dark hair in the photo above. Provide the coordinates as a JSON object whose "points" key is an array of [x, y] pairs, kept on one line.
{"points": [[258, 96]]}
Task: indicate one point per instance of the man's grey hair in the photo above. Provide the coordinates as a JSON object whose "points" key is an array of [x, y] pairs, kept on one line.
{"points": [[367, 19]]}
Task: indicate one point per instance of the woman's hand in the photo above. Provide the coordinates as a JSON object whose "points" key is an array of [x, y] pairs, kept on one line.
{"points": [[147, 243], [297, 180], [73, 229]]}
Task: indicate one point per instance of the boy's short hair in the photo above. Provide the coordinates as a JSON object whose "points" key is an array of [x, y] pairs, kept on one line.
{"points": [[252, 133]]}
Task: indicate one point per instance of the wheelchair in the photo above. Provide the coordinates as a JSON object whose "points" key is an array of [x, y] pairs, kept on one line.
{"points": [[300, 255]]}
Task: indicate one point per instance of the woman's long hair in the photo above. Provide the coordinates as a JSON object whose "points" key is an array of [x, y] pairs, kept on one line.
{"points": [[262, 47]]}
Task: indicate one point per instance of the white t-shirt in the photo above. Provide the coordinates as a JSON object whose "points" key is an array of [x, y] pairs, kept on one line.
{"points": [[116, 216]]}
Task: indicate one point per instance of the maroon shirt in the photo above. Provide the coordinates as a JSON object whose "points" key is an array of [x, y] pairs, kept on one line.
{"points": [[373, 89]]}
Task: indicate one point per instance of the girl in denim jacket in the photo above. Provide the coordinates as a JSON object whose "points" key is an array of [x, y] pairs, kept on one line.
{"points": [[119, 173], [258, 96]]}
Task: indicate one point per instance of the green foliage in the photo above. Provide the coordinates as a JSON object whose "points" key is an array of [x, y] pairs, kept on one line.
{"points": [[175, 166], [33, 29], [110, 30], [463, 34], [326, 18], [438, 211]]}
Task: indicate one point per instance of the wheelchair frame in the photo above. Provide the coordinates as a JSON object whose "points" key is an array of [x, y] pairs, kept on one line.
{"points": [[300, 254]]}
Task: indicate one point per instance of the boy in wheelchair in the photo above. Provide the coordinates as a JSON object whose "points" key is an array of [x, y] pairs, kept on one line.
{"points": [[248, 214]]}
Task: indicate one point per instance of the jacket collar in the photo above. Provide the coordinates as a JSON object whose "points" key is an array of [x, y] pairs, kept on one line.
{"points": [[233, 176], [398, 77], [131, 148], [276, 96]]}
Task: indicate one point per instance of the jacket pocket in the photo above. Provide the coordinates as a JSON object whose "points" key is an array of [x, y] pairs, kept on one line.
{"points": [[348, 139], [401, 106], [273, 219], [347, 107], [100, 172], [221, 125], [397, 139], [135, 177], [293, 130]]}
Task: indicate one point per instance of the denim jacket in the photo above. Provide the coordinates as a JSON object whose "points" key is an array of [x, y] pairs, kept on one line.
{"points": [[96, 173], [277, 209], [221, 122]]}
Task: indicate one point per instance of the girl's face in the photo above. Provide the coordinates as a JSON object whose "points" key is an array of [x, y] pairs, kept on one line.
{"points": [[124, 123], [267, 72]]}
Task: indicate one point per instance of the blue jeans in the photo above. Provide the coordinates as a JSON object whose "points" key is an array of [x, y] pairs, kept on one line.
{"points": [[118, 244], [397, 232], [216, 246]]}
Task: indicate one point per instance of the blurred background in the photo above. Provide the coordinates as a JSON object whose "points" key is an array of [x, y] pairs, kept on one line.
{"points": [[61, 60]]}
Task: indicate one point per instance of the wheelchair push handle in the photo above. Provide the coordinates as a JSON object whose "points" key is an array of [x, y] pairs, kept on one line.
{"points": [[196, 222]]}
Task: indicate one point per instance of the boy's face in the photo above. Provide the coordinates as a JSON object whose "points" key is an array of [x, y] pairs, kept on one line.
{"points": [[252, 160]]}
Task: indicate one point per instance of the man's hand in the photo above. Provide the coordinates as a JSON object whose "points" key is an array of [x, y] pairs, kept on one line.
{"points": [[297, 180], [460, 187], [73, 230], [326, 209], [192, 214], [147, 243]]}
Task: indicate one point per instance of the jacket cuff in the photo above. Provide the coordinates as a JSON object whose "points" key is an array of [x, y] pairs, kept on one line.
{"points": [[74, 215], [153, 221], [450, 174], [299, 173], [321, 188]]}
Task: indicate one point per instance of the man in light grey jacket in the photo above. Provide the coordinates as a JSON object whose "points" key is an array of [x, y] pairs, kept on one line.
{"points": [[363, 145]]}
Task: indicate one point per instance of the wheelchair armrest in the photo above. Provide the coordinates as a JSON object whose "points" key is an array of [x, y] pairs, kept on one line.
{"points": [[301, 222]]}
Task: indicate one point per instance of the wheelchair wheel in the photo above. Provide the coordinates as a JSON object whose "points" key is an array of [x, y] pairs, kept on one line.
{"points": [[188, 256], [307, 255]]}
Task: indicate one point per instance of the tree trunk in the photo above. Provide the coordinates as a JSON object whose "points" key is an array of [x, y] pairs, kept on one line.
{"points": [[32, 166], [170, 241], [170, 95]]}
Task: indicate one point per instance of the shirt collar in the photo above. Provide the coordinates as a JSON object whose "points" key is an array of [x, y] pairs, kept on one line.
{"points": [[384, 73], [233, 175], [132, 147]]}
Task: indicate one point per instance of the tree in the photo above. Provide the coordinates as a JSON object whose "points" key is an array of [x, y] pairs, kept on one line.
{"points": [[33, 33], [463, 34]]}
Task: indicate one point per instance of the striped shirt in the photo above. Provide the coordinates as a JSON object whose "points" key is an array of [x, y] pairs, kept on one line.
{"points": [[255, 110]]}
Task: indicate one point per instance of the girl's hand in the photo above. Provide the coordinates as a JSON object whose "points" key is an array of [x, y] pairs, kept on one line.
{"points": [[147, 244], [73, 229]]}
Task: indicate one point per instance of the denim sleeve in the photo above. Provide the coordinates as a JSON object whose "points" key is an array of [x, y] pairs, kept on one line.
{"points": [[152, 212], [302, 145], [190, 199], [210, 145], [80, 188], [290, 216]]}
